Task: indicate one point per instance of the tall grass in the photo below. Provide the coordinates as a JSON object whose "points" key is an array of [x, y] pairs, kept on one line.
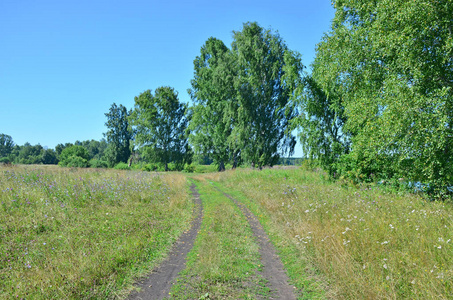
{"points": [[363, 243], [78, 233]]}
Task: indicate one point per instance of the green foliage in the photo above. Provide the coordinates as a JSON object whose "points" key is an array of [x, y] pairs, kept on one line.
{"points": [[75, 162], [118, 136], [121, 166], [96, 163], [189, 168], [49, 157], [321, 124], [160, 124], [215, 106], [6, 145], [244, 98], [29, 154], [268, 76], [5, 160], [386, 67], [74, 156]]}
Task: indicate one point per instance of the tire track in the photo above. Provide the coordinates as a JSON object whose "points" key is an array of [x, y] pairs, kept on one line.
{"points": [[158, 284], [273, 269]]}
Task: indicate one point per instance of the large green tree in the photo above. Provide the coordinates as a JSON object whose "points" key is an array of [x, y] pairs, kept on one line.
{"points": [[213, 94], [392, 61], [268, 74], [160, 127], [118, 136]]}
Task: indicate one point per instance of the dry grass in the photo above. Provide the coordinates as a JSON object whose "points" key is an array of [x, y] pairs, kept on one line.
{"points": [[361, 242]]}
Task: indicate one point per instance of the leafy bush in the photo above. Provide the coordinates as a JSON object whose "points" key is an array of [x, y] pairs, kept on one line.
{"points": [[97, 163], [189, 168], [5, 160], [74, 156], [122, 166], [75, 162]]}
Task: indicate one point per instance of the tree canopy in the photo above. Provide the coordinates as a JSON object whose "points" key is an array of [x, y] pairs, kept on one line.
{"points": [[389, 65], [160, 124], [213, 94], [245, 97], [118, 136]]}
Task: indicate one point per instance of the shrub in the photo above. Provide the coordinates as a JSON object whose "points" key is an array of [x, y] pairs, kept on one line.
{"points": [[5, 160], [74, 156], [122, 166], [189, 168], [97, 163], [75, 162]]}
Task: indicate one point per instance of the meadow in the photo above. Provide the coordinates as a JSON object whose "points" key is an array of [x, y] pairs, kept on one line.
{"points": [[84, 233]]}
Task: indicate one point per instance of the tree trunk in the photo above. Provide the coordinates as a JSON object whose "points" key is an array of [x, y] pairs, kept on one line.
{"points": [[235, 161], [221, 166]]}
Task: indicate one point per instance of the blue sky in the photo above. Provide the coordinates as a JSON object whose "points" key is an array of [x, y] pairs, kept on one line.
{"points": [[63, 63]]}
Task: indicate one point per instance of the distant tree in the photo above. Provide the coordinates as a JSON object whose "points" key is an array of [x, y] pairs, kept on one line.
{"points": [[6, 145], [118, 136], [213, 94], [74, 156], [49, 157], [268, 76], [29, 154], [60, 147], [160, 124]]}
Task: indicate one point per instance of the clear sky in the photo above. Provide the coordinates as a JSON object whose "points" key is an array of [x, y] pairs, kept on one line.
{"points": [[63, 63]]}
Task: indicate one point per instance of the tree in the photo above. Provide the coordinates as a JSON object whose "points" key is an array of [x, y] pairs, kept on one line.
{"points": [[213, 94], [160, 125], [118, 136], [268, 76], [29, 154], [74, 156], [6, 145], [49, 157], [392, 62]]}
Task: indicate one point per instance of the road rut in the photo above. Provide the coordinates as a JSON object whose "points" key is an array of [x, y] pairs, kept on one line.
{"points": [[158, 284]]}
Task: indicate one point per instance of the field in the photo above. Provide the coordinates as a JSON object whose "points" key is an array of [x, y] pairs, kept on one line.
{"points": [[86, 234], [74, 234]]}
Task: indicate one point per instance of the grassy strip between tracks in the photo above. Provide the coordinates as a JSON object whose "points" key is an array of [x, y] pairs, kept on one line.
{"points": [[224, 261], [85, 234]]}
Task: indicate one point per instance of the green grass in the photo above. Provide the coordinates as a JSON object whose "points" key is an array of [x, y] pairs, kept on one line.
{"points": [[224, 261], [79, 234], [353, 243], [83, 233]]}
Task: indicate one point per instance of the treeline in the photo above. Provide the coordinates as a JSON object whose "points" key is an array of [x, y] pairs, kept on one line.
{"points": [[93, 153], [376, 105]]}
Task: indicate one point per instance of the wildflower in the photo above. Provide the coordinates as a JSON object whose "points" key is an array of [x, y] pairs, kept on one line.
{"points": [[385, 266]]}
